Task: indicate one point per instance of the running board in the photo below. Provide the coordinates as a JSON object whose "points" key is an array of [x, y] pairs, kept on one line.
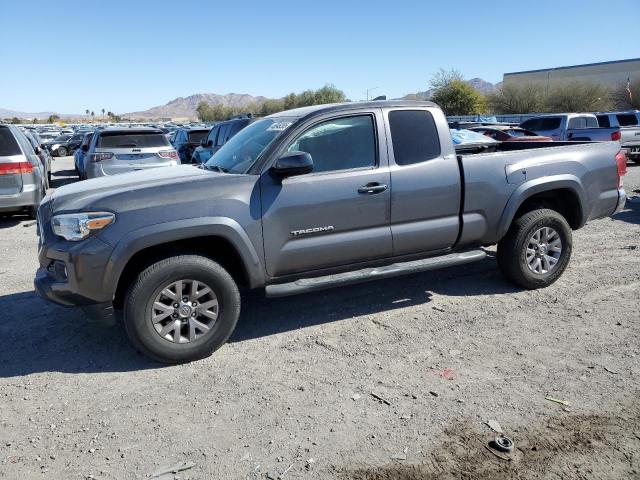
{"points": [[358, 276]]}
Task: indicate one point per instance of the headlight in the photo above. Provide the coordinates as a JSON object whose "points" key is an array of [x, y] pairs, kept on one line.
{"points": [[78, 226]]}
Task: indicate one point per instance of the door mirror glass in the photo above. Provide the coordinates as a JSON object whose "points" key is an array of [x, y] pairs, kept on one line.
{"points": [[293, 163], [85, 148], [209, 144]]}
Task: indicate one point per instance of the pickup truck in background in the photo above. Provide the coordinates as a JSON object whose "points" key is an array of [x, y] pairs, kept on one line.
{"points": [[571, 127], [629, 124], [309, 199]]}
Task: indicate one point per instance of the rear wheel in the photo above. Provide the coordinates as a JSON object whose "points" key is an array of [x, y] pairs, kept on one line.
{"points": [[536, 250], [181, 309], [62, 151]]}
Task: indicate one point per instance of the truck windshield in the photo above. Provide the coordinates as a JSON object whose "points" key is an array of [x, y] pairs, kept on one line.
{"points": [[242, 151]]}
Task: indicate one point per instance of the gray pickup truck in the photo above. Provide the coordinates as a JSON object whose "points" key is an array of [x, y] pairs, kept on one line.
{"points": [[629, 125], [308, 199], [571, 126]]}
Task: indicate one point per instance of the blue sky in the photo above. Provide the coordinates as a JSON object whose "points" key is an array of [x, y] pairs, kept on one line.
{"points": [[66, 56]]}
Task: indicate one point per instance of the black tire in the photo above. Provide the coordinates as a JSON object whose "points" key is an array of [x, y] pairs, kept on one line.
{"points": [[49, 178], [512, 249], [62, 152], [636, 160], [142, 293]]}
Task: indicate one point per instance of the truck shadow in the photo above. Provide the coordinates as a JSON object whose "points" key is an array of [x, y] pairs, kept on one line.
{"points": [[63, 177], [42, 337], [631, 212]]}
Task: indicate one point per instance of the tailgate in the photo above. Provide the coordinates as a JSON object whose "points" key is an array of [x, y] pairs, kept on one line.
{"points": [[10, 179]]}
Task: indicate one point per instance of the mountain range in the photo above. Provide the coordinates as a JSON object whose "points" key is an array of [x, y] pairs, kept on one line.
{"points": [[185, 107]]}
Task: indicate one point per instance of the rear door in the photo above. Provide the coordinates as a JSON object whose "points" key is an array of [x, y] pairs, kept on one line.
{"points": [[425, 178], [11, 157], [339, 213]]}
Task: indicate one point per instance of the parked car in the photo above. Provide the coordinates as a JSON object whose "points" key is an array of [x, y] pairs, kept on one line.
{"points": [[510, 134], [571, 126], [120, 150], [22, 175], [41, 152], [220, 134], [629, 124], [308, 199], [186, 140], [64, 145], [79, 154]]}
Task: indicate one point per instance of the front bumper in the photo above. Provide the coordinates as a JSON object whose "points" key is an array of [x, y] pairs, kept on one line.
{"points": [[71, 273], [622, 199]]}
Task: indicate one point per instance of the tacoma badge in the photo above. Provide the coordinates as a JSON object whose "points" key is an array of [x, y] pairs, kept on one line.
{"points": [[307, 231]]}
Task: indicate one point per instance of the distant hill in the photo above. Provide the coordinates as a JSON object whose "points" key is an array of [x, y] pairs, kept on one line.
{"points": [[4, 113], [186, 106], [477, 83]]}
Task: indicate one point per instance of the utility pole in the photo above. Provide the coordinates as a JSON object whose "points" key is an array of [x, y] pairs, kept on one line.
{"points": [[369, 90]]}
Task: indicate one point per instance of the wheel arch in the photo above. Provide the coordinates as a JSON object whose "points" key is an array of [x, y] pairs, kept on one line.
{"points": [[222, 240], [563, 194]]}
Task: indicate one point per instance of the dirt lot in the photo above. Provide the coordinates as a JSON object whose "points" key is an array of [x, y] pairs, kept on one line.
{"points": [[292, 395]]}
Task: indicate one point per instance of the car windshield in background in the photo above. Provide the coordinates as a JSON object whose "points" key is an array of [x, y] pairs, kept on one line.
{"points": [[197, 136], [132, 140], [8, 144], [242, 151], [517, 133]]}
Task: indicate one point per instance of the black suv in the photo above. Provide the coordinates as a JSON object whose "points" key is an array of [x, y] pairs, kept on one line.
{"points": [[186, 140], [218, 136]]}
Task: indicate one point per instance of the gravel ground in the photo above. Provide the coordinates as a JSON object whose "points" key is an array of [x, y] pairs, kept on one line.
{"points": [[387, 380]]}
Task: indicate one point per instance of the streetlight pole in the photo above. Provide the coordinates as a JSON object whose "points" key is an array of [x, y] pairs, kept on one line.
{"points": [[369, 90]]}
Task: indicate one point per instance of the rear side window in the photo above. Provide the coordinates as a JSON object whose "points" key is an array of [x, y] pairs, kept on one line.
{"points": [[236, 127], [603, 121], [132, 140], [583, 122], [8, 144], [627, 119], [414, 136]]}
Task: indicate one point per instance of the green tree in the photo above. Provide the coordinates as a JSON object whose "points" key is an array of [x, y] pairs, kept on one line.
{"points": [[15, 121], [578, 97], [517, 98], [454, 95], [271, 106], [53, 118]]}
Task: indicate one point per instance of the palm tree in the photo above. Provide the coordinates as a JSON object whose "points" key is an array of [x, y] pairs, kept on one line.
{"points": [[103, 114], [92, 115], [87, 112]]}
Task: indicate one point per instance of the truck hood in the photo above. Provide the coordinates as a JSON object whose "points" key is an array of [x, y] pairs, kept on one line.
{"points": [[80, 195]]}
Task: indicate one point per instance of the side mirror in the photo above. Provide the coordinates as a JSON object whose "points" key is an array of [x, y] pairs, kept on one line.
{"points": [[209, 144], [293, 163], [38, 150], [85, 148]]}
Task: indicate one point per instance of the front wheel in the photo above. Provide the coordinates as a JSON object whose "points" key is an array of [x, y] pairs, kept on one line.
{"points": [[62, 152], [536, 250], [181, 309]]}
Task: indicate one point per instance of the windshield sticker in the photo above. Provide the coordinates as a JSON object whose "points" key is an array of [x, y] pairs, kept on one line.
{"points": [[278, 127]]}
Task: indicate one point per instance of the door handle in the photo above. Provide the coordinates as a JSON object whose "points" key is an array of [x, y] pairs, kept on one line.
{"points": [[372, 188]]}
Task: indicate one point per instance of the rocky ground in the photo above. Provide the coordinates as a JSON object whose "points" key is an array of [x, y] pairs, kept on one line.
{"points": [[388, 380]]}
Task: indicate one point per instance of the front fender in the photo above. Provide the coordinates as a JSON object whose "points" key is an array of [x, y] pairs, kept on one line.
{"points": [[541, 185], [161, 233]]}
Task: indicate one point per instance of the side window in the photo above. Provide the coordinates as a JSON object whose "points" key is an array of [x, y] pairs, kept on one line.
{"points": [[550, 123], [222, 134], [339, 144], [581, 122], [212, 135], [603, 121], [414, 136], [627, 119], [235, 128], [533, 124]]}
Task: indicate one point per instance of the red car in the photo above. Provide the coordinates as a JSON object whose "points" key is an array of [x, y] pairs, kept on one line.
{"points": [[504, 133]]}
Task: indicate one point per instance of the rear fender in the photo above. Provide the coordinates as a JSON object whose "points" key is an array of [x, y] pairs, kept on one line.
{"points": [[540, 185]]}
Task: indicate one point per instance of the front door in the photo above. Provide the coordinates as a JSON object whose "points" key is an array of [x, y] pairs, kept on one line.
{"points": [[338, 214]]}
